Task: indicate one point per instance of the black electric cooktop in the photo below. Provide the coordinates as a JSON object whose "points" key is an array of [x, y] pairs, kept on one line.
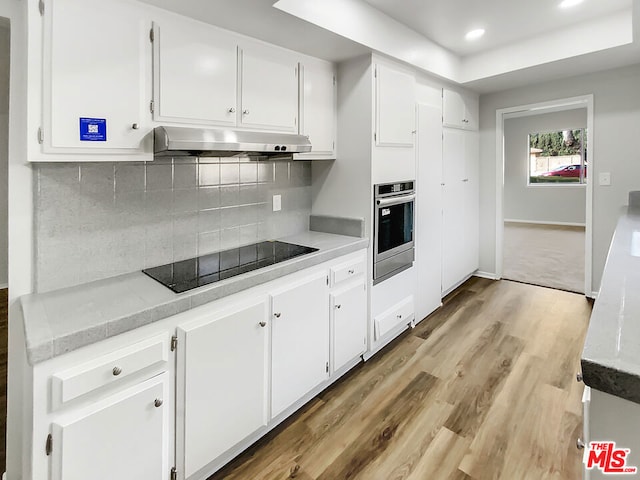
{"points": [[211, 268]]}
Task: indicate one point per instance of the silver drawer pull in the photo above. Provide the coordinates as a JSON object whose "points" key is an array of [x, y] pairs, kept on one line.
{"points": [[263, 324], [116, 371], [158, 403], [277, 314], [399, 316], [580, 444], [579, 377], [338, 306], [135, 126], [351, 272]]}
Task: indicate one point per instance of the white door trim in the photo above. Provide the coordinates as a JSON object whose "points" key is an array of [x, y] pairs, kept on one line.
{"points": [[535, 109]]}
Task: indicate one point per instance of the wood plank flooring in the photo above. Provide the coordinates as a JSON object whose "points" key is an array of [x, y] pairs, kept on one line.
{"points": [[484, 388], [4, 333]]}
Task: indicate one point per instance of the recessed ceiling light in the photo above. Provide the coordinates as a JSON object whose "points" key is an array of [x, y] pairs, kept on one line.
{"points": [[569, 3], [475, 34]]}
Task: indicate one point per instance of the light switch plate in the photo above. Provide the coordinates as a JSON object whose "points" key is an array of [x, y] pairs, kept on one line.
{"points": [[277, 203], [604, 179]]}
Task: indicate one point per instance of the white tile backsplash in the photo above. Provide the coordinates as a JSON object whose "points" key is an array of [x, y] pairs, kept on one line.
{"points": [[98, 220]]}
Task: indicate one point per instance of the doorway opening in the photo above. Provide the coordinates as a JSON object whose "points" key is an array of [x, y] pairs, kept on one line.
{"points": [[544, 194]]}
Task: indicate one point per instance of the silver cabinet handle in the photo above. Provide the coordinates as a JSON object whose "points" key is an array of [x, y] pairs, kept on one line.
{"points": [[231, 110], [263, 324], [351, 272], [386, 202], [158, 403], [465, 179], [135, 126], [580, 444], [399, 316], [338, 306], [116, 371], [245, 112], [277, 315], [579, 377]]}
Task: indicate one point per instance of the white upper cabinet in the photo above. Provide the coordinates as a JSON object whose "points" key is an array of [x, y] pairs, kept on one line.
{"points": [[95, 77], [318, 108], [395, 107], [269, 96], [195, 76], [459, 111]]}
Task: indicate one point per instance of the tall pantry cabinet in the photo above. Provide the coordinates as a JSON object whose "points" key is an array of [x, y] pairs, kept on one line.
{"points": [[460, 189]]}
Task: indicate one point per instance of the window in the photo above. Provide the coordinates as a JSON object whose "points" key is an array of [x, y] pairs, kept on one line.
{"points": [[558, 158]]}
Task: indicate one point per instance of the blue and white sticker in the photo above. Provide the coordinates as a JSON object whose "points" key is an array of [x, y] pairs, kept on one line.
{"points": [[93, 129]]}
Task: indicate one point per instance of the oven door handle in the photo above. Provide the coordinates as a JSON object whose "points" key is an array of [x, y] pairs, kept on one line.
{"points": [[385, 202]]}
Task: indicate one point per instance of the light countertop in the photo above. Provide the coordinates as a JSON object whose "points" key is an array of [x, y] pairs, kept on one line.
{"points": [[60, 321], [611, 355]]}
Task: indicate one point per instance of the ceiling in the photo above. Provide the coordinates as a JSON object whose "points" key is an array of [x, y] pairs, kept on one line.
{"points": [[526, 41], [506, 21]]}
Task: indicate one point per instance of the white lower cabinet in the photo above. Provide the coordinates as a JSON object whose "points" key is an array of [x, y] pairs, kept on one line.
{"points": [[222, 383], [348, 323], [460, 198], [123, 436], [398, 314], [608, 418], [300, 340], [188, 393]]}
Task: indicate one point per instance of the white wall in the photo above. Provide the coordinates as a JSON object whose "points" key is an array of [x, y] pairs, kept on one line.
{"points": [[556, 203], [615, 150], [5, 33]]}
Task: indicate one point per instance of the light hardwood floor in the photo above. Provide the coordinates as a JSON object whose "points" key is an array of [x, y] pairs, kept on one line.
{"points": [[484, 388], [3, 376]]}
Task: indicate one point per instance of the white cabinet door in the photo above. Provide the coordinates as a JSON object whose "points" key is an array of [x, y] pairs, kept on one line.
{"points": [[472, 201], [454, 210], [269, 89], [300, 341], [453, 109], [124, 436], [349, 321], [459, 111], [318, 108], [95, 76], [460, 216], [221, 384], [195, 72], [395, 107], [428, 235]]}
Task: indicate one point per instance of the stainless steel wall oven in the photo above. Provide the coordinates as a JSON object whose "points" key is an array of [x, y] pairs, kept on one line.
{"points": [[394, 206]]}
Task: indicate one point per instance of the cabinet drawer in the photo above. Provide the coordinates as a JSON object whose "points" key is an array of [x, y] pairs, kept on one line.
{"points": [[347, 270], [401, 313], [108, 369]]}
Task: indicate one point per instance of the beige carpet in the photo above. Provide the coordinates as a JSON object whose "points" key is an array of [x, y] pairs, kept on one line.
{"points": [[545, 255]]}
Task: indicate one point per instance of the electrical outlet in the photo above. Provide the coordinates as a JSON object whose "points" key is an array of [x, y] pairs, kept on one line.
{"points": [[604, 179], [277, 203]]}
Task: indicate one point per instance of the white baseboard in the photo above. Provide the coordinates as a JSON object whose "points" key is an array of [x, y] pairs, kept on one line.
{"points": [[488, 275], [536, 222]]}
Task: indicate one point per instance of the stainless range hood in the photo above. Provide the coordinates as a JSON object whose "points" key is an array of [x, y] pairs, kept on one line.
{"points": [[181, 141]]}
